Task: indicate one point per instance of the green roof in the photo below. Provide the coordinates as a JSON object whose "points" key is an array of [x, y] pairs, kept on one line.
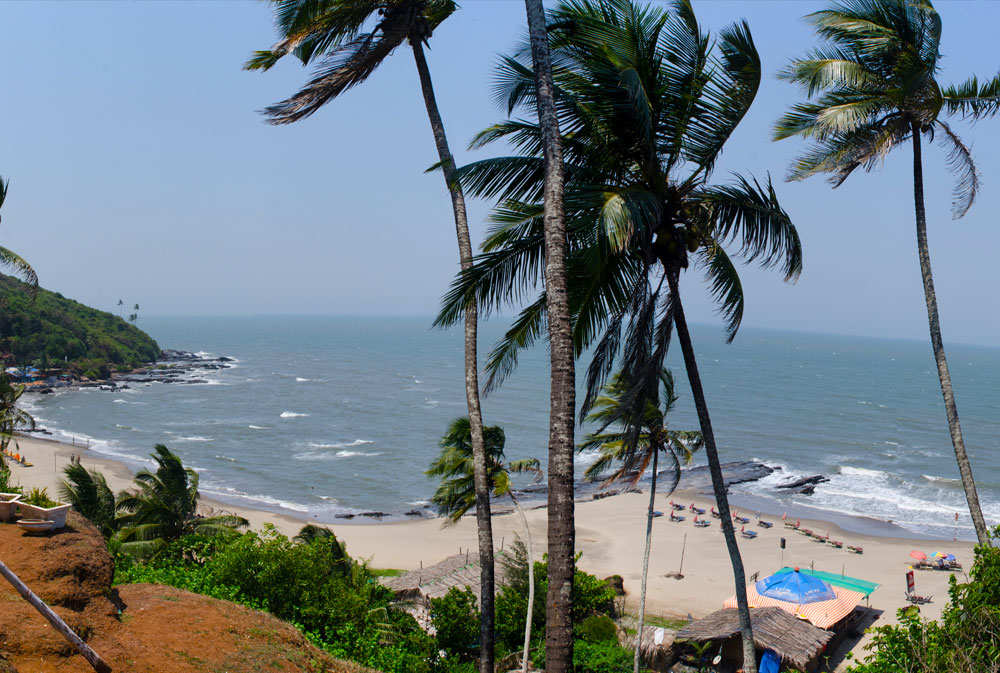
{"points": [[845, 582]]}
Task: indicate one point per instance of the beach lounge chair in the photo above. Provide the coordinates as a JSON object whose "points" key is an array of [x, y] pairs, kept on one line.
{"points": [[954, 565], [677, 508], [741, 519], [657, 513], [696, 510], [716, 514], [765, 524], [855, 550], [918, 600], [835, 543], [748, 534], [820, 538], [792, 526], [702, 523], [674, 517], [806, 531]]}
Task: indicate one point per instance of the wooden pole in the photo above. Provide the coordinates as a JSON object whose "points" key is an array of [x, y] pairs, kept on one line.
{"points": [[57, 623], [680, 571]]}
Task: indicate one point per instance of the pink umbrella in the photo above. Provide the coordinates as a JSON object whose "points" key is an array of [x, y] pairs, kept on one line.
{"points": [[919, 555]]}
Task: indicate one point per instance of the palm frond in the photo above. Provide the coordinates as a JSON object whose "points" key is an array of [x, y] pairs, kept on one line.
{"points": [[960, 162], [972, 99]]}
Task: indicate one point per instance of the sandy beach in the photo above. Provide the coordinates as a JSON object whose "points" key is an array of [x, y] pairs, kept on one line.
{"points": [[610, 536]]}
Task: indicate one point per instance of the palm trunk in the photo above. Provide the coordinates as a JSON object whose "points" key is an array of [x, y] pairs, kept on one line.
{"points": [[718, 483], [645, 565], [531, 586], [561, 527], [934, 322], [484, 523]]}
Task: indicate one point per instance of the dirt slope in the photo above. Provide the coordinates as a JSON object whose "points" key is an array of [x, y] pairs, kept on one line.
{"points": [[159, 630]]}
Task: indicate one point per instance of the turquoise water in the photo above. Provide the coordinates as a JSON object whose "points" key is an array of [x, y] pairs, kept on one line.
{"points": [[323, 416]]}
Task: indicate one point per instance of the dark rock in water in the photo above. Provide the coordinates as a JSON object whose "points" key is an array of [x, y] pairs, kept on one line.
{"points": [[343, 516], [413, 512], [374, 515], [46, 391], [737, 472], [807, 490], [600, 495], [804, 481], [225, 359]]}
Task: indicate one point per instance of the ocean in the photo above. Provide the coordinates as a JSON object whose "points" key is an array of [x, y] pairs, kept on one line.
{"points": [[320, 416]]}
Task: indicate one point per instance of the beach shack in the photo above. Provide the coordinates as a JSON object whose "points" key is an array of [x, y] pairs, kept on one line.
{"points": [[818, 610], [796, 643]]}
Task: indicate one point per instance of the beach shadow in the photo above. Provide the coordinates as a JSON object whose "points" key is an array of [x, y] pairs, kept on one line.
{"points": [[836, 660]]}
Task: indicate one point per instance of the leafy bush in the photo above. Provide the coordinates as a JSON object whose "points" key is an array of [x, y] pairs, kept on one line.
{"points": [[966, 639], [602, 657], [455, 618], [337, 605], [591, 596], [39, 497], [5, 485], [597, 629]]}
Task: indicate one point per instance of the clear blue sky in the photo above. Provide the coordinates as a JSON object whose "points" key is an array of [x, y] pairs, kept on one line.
{"points": [[141, 170]]}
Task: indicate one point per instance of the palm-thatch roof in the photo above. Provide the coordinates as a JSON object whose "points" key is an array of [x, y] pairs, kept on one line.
{"points": [[459, 570], [794, 640]]}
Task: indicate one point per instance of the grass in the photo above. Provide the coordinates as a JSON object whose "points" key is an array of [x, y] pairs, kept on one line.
{"points": [[386, 572], [666, 622]]}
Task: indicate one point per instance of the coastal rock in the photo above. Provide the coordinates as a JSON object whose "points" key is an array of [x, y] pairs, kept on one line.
{"points": [[414, 512], [374, 515], [736, 472], [343, 516], [803, 486]]}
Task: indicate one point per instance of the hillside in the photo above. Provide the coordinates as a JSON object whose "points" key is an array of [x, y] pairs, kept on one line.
{"points": [[54, 331], [141, 628]]}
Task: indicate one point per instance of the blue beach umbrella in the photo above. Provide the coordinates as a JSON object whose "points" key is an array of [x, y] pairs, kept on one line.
{"points": [[795, 587]]}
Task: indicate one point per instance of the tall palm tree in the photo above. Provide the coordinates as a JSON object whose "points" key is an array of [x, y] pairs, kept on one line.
{"points": [[13, 260], [456, 493], [352, 38], [12, 417], [873, 87], [562, 378], [163, 506], [646, 105], [620, 459], [89, 494]]}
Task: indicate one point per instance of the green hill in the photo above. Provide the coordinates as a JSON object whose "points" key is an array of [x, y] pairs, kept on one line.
{"points": [[55, 332]]}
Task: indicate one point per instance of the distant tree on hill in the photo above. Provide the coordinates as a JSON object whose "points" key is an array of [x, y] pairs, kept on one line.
{"points": [[12, 418], [120, 305]]}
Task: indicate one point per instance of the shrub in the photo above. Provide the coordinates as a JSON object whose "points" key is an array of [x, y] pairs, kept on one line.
{"points": [[603, 657], [597, 629], [455, 618], [39, 497]]}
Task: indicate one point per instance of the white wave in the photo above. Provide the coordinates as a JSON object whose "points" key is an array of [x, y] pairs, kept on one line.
{"points": [[417, 381], [257, 427], [194, 438], [203, 354], [301, 380], [121, 401], [231, 460], [343, 453], [350, 454], [342, 445], [292, 414], [942, 480], [419, 503], [891, 443], [226, 491]]}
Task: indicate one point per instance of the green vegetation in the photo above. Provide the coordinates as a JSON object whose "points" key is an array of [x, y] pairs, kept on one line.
{"points": [[634, 448], [11, 259], [966, 639], [12, 418], [48, 330], [39, 497], [161, 508], [456, 494]]}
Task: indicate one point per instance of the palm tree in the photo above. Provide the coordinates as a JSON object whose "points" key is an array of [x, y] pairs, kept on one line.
{"points": [[120, 305], [164, 506], [352, 38], [872, 87], [647, 105], [634, 458], [90, 495], [12, 417], [562, 384], [456, 493], [12, 259]]}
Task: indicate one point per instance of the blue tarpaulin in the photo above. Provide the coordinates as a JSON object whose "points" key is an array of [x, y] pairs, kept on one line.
{"points": [[770, 662]]}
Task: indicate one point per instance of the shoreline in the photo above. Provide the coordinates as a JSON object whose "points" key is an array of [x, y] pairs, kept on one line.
{"points": [[609, 536]]}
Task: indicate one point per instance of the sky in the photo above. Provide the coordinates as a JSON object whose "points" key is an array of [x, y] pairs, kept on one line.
{"points": [[140, 169]]}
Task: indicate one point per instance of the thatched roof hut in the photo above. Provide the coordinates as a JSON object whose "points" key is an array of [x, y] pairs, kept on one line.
{"points": [[797, 642], [459, 570]]}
